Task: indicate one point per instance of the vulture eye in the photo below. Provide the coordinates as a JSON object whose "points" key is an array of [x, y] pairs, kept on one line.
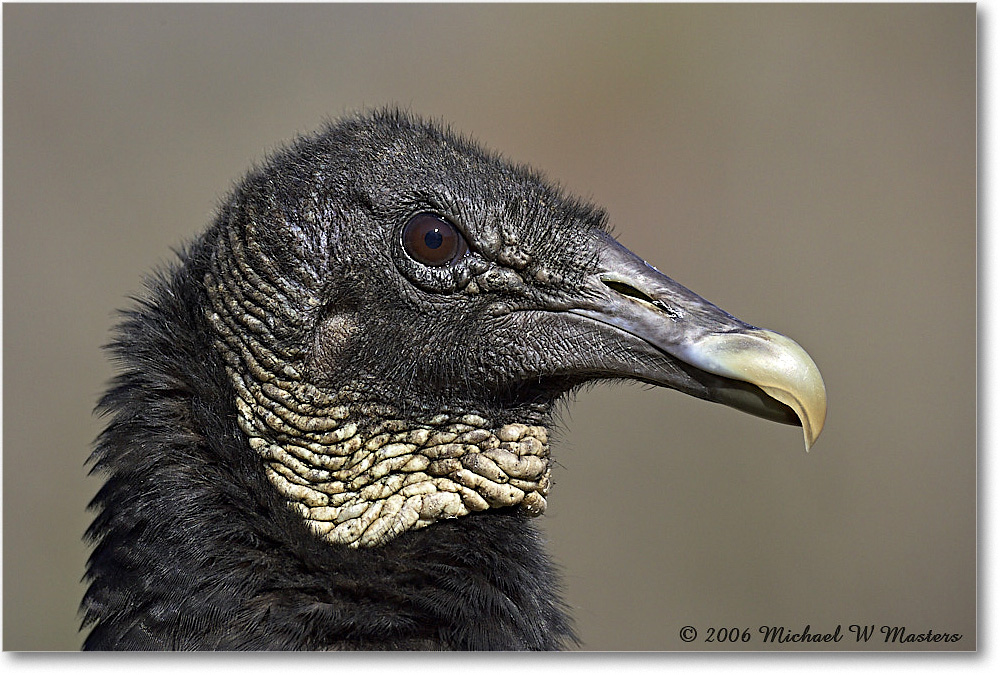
{"points": [[432, 240]]}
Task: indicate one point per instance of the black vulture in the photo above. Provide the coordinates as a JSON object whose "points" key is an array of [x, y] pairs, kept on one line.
{"points": [[329, 427]]}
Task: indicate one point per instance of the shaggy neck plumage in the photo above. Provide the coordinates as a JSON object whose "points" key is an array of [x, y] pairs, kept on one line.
{"points": [[196, 549]]}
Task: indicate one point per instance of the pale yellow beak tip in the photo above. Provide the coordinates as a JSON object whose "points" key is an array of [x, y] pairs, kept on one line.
{"points": [[798, 384], [777, 365]]}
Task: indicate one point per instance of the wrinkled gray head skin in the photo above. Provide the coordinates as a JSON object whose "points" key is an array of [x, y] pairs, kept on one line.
{"points": [[384, 392]]}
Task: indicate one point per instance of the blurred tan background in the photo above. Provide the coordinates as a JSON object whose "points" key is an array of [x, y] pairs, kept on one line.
{"points": [[811, 169]]}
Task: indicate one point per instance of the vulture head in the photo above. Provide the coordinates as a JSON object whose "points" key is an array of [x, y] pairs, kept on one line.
{"points": [[329, 429]]}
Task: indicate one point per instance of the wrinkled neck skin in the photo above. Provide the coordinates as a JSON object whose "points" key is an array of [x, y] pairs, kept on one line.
{"points": [[360, 476], [359, 471]]}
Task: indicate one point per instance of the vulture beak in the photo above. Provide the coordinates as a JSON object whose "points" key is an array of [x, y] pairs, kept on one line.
{"points": [[713, 354]]}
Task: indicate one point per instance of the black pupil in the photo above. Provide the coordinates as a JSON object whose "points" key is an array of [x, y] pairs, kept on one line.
{"points": [[434, 239]]}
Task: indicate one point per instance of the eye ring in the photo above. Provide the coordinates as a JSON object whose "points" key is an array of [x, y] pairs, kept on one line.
{"points": [[431, 240]]}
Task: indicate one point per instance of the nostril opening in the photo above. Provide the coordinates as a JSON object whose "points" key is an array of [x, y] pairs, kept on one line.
{"points": [[625, 289], [633, 292]]}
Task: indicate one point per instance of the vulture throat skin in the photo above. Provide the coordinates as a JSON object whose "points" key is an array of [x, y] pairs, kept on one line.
{"points": [[330, 425]]}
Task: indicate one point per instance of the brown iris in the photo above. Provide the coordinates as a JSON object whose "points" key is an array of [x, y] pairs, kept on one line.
{"points": [[432, 240]]}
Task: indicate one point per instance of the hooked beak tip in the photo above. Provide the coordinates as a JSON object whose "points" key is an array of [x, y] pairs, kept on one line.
{"points": [[774, 363]]}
